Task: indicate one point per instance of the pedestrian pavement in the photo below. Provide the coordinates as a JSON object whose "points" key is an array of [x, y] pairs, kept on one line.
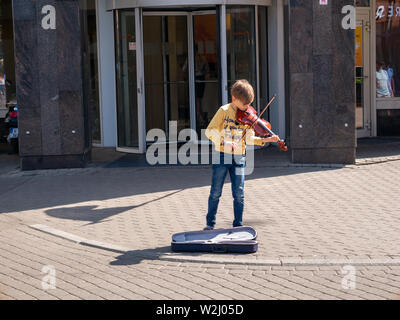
{"points": [[80, 272], [107, 229], [309, 214]]}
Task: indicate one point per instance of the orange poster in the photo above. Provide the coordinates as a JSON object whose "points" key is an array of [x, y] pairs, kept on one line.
{"points": [[359, 46]]}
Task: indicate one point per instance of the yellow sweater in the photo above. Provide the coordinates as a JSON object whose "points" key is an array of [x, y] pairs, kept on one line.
{"points": [[224, 127]]}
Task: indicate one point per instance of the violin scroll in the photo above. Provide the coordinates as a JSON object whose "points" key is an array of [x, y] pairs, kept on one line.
{"points": [[282, 146]]}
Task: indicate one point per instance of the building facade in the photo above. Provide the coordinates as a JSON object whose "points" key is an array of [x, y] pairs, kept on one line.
{"points": [[105, 73]]}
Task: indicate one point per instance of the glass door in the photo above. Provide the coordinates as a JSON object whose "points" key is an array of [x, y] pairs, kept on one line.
{"points": [[205, 60], [130, 103], [166, 71], [241, 46], [181, 69], [363, 73], [178, 66]]}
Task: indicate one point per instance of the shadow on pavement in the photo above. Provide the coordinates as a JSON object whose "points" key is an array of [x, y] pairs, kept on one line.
{"points": [[86, 213], [48, 191], [93, 215], [137, 256], [42, 189]]}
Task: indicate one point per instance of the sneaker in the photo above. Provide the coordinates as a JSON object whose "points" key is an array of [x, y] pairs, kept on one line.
{"points": [[208, 228]]}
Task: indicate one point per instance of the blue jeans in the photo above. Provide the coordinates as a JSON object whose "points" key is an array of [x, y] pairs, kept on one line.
{"points": [[235, 166]]}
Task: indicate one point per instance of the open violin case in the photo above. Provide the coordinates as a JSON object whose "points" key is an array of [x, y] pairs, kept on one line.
{"points": [[233, 240]]}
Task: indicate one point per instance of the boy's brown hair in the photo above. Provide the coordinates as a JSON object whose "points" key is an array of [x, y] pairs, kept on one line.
{"points": [[243, 91]]}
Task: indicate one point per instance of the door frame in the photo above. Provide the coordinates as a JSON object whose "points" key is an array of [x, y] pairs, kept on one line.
{"points": [[191, 71], [220, 12], [141, 115], [364, 15]]}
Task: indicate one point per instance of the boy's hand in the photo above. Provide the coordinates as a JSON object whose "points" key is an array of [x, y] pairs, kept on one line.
{"points": [[273, 138], [230, 145]]}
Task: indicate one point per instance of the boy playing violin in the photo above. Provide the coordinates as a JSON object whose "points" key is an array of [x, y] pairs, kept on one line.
{"points": [[226, 134]]}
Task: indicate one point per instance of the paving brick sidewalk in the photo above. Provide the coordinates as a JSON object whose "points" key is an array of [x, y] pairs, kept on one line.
{"points": [[306, 212], [300, 212], [81, 272]]}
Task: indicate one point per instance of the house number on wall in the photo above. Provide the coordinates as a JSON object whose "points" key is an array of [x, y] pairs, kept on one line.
{"points": [[49, 20]]}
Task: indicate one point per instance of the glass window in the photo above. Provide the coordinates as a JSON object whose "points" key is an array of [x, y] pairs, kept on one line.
{"points": [[127, 107], [387, 48], [166, 72], [362, 3], [205, 68], [263, 58], [155, 84], [359, 64], [241, 45]]}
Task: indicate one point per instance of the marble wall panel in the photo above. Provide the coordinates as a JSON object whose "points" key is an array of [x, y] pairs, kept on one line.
{"points": [[301, 36], [48, 59], [30, 131], [324, 126], [330, 65], [322, 80], [337, 5], [27, 77], [49, 83], [322, 28], [69, 46], [26, 64], [71, 125], [53, 162], [301, 99], [343, 62], [70, 77], [345, 127]]}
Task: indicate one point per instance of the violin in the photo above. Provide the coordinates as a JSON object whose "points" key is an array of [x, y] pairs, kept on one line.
{"points": [[261, 127]]}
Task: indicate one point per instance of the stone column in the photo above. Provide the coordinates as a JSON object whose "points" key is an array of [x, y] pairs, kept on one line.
{"points": [[321, 82], [48, 55]]}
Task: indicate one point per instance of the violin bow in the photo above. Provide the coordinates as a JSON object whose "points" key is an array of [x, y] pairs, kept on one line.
{"points": [[258, 117]]}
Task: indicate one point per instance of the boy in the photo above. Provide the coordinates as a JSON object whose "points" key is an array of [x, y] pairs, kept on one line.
{"points": [[226, 134]]}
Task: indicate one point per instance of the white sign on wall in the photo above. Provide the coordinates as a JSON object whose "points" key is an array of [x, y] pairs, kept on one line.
{"points": [[132, 46], [323, 2]]}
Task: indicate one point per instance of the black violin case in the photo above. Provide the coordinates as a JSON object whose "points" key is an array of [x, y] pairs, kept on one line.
{"points": [[233, 240]]}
